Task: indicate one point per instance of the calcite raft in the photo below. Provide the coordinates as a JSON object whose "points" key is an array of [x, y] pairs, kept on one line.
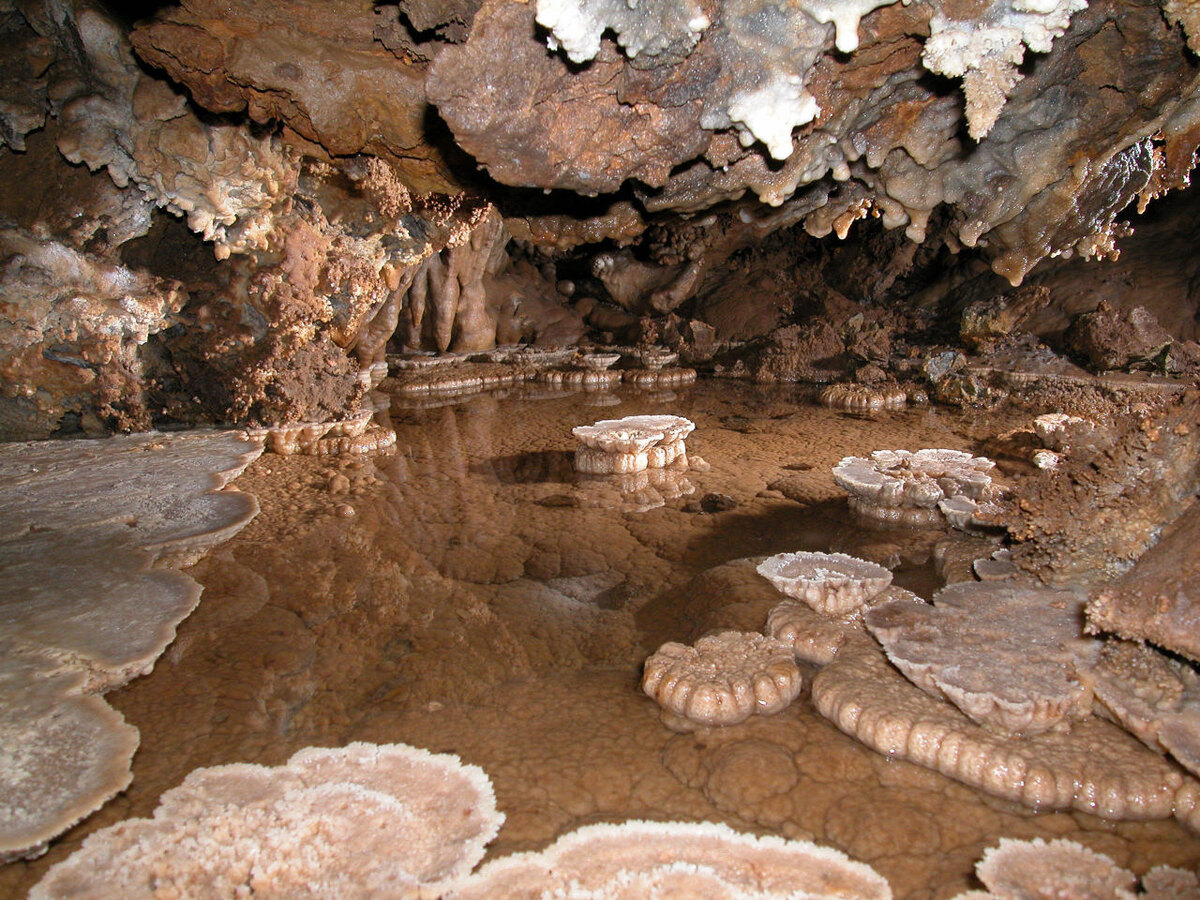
{"points": [[632, 444], [723, 679], [831, 583], [1009, 656], [674, 859], [902, 487], [361, 821]]}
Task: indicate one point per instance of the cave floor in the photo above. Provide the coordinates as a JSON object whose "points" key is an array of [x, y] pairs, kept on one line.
{"points": [[470, 593]]}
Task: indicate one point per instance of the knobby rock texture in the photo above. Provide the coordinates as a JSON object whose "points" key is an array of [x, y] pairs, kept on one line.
{"points": [[452, 176]]}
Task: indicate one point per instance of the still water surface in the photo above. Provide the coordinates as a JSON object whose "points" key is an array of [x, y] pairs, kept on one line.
{"points": [[470, 593]]}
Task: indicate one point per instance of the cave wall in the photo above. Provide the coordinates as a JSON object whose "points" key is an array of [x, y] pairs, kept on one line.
{"points": [[447, 176]]}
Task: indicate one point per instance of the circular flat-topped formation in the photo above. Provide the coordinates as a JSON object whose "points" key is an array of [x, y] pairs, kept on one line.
{"points": [[632, 444], [723, 679], [863, 398], [832, 583], [903, 487]]}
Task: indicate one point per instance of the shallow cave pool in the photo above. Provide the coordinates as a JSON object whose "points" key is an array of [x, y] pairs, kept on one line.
{"points": [[470, 593]]}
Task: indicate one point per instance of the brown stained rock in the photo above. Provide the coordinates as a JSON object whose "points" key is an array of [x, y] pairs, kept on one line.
{"points": [[1144, 473], [1157, 599], [1095, 768], [811, 352], [1009, 656], [348, 822], [1155, 698], [72, 337], [545, 123], [1117, 339], [983, 321], [316, 68], [1015, 870], [721, 680], [674, 859], [831, 583]]}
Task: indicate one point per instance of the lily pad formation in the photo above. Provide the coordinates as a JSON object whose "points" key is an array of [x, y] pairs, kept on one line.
{"points": [[1012, 658], [392, 820], [722, 680], [674, 859], [89, 599], [352, 822], [997, 692], [1019, 870], [902, 487], [632, 444]]}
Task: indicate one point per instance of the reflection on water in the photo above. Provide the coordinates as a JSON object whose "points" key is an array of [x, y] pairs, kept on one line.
{"points": [[472, 593]]}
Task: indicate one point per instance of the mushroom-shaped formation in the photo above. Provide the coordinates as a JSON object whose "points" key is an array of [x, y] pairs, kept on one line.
{"points": [[357, 434], [88, 530], [832, 583], [902, 487], [657, 357], [658, 378], [598, 362], [816, 637], [674, 860], [722, 680], [1095, 767], [362, 821], [1007, 655], [632, 444], [863, 398], [1156, 698], [1016, 870]]}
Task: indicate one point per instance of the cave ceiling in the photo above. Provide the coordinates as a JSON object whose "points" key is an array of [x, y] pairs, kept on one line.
{"points": [[278, 188], [1030, 123]]}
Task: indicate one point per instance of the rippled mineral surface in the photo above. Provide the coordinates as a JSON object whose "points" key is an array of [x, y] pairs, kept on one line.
{"points": [[471, 593]]}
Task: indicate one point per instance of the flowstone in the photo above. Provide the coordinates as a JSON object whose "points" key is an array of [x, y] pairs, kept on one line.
{"points": [[86, 604]]}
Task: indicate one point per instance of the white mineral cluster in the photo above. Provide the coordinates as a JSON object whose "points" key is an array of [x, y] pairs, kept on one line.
{"points": [[649, 27], [632, 444], [364, 820], [985, 52], [902, 487], [767, 98]]}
